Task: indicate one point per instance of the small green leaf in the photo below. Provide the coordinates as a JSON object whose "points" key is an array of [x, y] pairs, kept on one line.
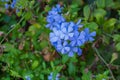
{"points": [[108, 26], [33, 29], [44, 65], [35, 64], [19, 13], [102, 76], [92, 25], [114, 57], [110, 22], [65, 59], [116, 37], [86, 12], [28, 15], [8, 47], [100, 3], [43, 44], [58, 68], [86, 76], [118, 46], [52, 65], [47, 8], [71, 69], [109, 3], [99, 15], [14, 73]]}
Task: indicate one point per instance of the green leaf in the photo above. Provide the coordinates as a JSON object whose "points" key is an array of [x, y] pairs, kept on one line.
{"points": [[118, 46], [116, 38], [100, 3], [8, 47], [92, 25], [52, 65], [28, 15], [14, 73], [65, 59], [44, 65], [43, 44], [73, 59], [71, 68], [110, 22], [47, 8], [102, 76], [35, 28], [86, 76], [86, 12], [58, 68], [99, 15], [109, 3], [35, 64], [114, 57], [108, 26], [19, 13]]}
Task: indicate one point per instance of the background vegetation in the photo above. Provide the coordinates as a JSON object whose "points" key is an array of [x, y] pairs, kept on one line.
{"points": [[26, 53]]}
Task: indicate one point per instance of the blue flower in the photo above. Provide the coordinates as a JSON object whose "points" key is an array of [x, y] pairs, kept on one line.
{"points": [[74, 50], [50, 77], [78, 24], [66, 37], [50, 19], [58, 8], [27, 78], [17, 10], [14, 1], [52, 12], [63, 48], [89, 36], [6, 6], [78, 39], [54, 21], [59, 18], [54, 36], [67, 30], [55, 10], [13, 5]]}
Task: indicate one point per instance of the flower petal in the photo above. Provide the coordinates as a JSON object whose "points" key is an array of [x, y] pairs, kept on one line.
{"points": [[79, 51], [91, 39], [67, 49], [79, 21], [86, 30], [70, 29], [75, 49], [73, 43], [70, 54], [71, 34], [93, 34]]}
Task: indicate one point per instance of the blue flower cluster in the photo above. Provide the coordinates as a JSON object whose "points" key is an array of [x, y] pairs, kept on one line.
{"points": [[27, 78], [50, 77], [66, 37], [12, 5]]}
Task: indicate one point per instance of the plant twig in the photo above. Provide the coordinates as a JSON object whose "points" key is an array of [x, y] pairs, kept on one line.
{"points": [[13, 27], [107, 65]]}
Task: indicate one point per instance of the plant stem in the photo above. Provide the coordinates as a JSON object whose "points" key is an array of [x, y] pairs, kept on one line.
{"points": [[107, 65], [13, 27]]}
